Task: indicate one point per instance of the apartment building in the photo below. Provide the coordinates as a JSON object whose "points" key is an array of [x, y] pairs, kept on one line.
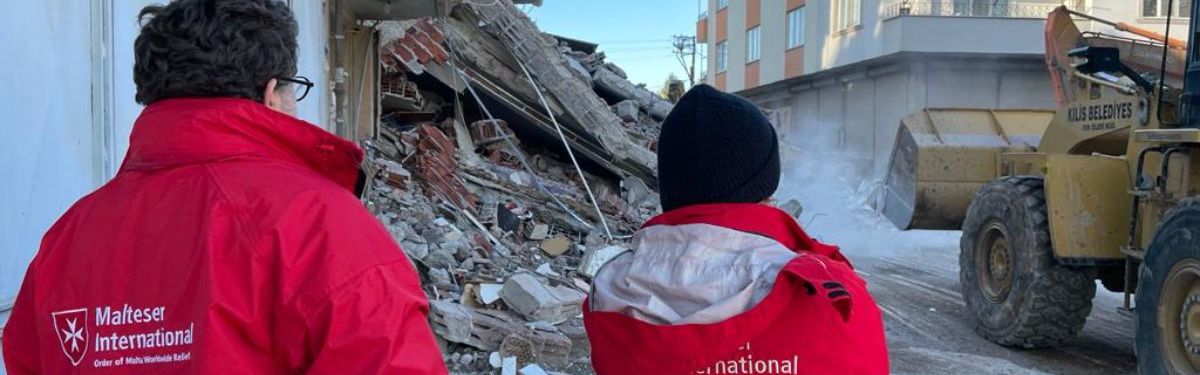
{"points": [[846, 71]]}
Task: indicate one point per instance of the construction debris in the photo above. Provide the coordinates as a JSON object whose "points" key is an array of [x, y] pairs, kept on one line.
{"points": [[556, 246], [540, 302], [471, 177], [597, 258], [616, 85]]}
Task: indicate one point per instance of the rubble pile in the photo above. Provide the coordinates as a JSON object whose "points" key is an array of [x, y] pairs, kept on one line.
{"points": [[472, 176]]}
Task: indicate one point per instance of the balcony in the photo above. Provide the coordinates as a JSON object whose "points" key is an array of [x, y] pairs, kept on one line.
{"points": [[975, 8]]}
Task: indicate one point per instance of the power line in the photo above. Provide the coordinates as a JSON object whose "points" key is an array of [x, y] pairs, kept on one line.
{"points": [[643, 58], [634, 41], [637, 49]]}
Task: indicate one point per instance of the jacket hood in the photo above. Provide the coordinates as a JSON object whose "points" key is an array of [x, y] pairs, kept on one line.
{"points": [[690, 273], [660, 346], [183, 131]]}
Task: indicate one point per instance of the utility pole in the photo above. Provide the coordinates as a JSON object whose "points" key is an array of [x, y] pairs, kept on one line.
{"points": [[684, 48]]}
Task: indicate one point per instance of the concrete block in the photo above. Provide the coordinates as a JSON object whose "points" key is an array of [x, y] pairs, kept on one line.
{"points": [[539, 232], [535, 300], [627, 110]]}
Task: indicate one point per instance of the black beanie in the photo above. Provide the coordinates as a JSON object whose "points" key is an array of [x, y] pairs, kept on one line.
{"points": [[716, 148]]}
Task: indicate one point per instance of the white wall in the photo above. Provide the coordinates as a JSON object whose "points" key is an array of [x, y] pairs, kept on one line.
{"points": [[68, 128], [735, 70], [859, 112], [1131, 11], [314, 64], [47, 150], [829, 48], [975, 35], [774, 40]]}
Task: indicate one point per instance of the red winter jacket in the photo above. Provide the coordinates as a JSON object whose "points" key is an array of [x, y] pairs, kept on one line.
{"points": [[229, 242], [732, 289]]}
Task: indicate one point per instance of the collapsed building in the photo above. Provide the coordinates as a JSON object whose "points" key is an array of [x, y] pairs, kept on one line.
{"points": [[508, 164]]}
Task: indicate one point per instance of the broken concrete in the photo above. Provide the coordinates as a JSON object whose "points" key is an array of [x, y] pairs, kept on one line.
{"points": [[542, 58], [626, 110], [615, 84], [535, 300]]}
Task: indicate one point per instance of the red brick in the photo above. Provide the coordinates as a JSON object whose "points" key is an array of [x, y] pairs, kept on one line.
{"points": [[438, 169], [429, 27], [415, 46]]}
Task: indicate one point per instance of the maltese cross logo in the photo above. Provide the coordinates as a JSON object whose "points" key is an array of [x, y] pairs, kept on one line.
{"points": [[71, 327]]}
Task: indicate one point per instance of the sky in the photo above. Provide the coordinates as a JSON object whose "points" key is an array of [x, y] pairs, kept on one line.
{"points": [[634, 34]]}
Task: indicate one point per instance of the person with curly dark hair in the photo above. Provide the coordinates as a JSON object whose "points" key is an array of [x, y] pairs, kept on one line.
{"points": [[230, 239]]}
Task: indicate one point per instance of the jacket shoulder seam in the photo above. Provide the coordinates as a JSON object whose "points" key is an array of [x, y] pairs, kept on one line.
{"points": [[243, 229]]}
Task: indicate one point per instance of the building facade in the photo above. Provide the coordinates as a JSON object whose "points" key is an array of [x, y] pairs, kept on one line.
{"points": [[844, 72]]}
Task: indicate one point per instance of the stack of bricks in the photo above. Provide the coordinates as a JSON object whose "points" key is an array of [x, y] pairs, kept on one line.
{"points": [[437, 167], [420, 44], [484, 132]]}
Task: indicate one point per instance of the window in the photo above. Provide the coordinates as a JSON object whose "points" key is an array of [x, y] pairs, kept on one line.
{"points": [[795, 28], [753, 44], [1158, 8], [846, 14], [722, 55], [721, 4]]}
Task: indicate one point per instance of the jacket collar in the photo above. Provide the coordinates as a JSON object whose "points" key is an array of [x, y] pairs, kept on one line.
{"points": [[183, 131], [753, 218]]}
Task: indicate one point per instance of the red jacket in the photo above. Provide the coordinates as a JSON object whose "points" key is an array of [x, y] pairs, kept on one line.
{"points": [[815, 318], [229, 242]]}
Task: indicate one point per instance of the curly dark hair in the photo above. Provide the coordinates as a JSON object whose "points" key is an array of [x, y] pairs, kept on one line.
{"points": [[211, 48]]}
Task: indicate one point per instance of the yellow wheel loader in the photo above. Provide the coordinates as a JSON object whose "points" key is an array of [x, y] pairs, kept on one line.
{"points": [[1106, 187]]}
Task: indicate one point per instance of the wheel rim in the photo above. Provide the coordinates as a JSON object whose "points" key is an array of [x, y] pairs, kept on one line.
{"points": [[994, 260], [1179, 311]]}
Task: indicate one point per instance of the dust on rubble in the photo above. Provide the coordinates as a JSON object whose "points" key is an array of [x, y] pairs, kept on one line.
{"points": [[471, 177]]}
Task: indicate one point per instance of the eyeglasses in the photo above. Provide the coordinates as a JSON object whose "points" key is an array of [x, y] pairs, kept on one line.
{"points": [[303, 84]]}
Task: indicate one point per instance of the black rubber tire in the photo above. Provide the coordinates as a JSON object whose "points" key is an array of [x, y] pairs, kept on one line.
{"points": [[1047, 303], [1176, 239]]}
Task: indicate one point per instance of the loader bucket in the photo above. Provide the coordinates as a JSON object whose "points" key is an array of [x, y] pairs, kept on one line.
{"points": [[943, 156]]}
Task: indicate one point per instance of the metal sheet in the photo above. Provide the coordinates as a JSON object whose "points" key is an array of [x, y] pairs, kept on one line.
{"points": [[1088, 204], [1188, 135]]}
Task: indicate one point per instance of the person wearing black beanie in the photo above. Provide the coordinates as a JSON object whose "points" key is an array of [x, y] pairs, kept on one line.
{"points": [[716, 148], [721, 277]]}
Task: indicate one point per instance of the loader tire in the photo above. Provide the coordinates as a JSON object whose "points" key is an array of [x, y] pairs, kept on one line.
{"points": [[1168, 295], [1012, 285]]}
